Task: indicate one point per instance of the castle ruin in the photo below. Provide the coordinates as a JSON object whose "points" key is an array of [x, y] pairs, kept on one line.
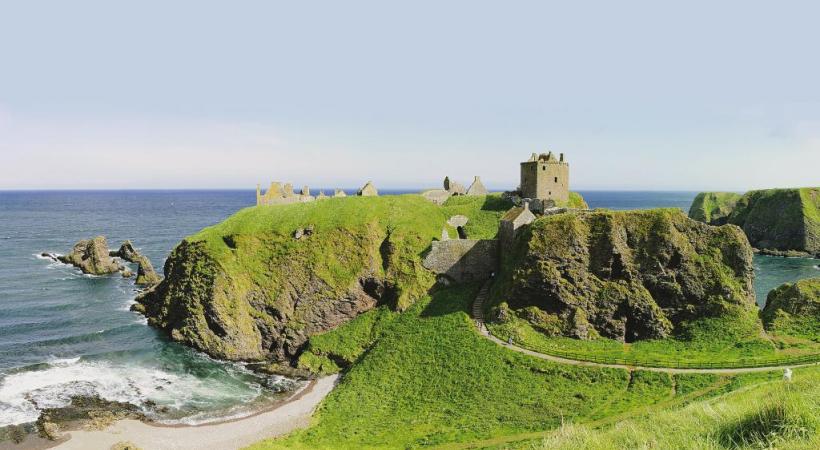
{"points": [[546, 178], [281, 195], [277, 194]]}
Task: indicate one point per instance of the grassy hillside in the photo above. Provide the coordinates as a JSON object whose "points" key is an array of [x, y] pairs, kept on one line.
{"points": [[772, 414], [430, 378], [257, 285], [794, 309]]}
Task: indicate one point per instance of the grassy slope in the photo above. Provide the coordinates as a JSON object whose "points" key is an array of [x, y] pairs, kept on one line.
{"points": [[711, 347], [430, 378], [767, 415], [794, 309], [713, 206]]}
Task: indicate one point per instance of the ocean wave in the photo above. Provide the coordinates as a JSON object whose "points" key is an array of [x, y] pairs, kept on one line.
{"points": [[183, 397]]}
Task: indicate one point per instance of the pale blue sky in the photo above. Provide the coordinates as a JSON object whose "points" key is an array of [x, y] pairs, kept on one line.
{"points": [[194, 94]]}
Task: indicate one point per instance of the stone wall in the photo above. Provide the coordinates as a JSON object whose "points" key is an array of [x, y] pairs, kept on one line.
{"points": [[462, 260]]}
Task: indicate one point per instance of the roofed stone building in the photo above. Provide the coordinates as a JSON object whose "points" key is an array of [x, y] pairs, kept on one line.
{"points": [[368, 190], [511, 221]]}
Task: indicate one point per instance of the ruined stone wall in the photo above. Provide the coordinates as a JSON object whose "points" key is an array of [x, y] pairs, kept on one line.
{"points": [[463, 260]]}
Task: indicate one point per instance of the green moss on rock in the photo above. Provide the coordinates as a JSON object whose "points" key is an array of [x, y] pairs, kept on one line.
{"points": [[627, 275], [794, 309], [258, 285], [713, 207], [782, 221]]}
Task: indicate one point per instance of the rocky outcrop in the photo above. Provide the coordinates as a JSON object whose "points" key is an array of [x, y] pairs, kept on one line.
{"points": [[127, 252], [92, 257], [625, 275], [713, 208], [794, 308], [777, 221], [146, 275], [260, 296]]}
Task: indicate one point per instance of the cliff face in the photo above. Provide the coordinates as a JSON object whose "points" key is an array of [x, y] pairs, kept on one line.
{"points": [[794, 308], [773, 219], [258, 285], [713, 207], [625, 275]]}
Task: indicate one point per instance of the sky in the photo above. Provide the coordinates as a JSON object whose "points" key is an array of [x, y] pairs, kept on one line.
{"points": [[197, 94]]}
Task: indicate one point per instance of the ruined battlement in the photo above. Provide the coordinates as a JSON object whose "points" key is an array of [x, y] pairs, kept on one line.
{"points": [[278, 194]]}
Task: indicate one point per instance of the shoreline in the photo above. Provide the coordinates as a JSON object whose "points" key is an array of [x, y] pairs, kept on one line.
{"points": [[279, 419]]}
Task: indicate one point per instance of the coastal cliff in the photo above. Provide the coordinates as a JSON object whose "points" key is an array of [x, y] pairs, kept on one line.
{"points": [[779, 221], [628, 275], [258, 285]]}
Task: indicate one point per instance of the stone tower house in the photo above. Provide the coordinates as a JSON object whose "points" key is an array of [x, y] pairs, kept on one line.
{"points": [[545, 177]]}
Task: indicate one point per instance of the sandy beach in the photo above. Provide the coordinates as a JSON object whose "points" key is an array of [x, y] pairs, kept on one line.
{"points": [[292, 414]]}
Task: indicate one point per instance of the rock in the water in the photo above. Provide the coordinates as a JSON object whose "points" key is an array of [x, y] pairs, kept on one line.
{"points": [[92, 257], [127, 252], [126, 272], [780, 221], [51, 256], [794, 308], [627, 275], [145, 272]]}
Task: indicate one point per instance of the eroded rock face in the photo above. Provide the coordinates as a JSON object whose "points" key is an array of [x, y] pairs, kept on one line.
{"points": [[777, 221], [273, 294], [127, 252], [626, 275], [146, 274], [92, 257]]}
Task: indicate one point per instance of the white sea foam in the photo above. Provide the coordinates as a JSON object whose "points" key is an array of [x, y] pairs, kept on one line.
{"points": [[24, 394]]}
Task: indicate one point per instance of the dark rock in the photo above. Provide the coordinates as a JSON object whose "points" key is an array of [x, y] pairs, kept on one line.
{"points": [[90, 412], [627, 275], [51, 256], [127, 252], [92, 257]]}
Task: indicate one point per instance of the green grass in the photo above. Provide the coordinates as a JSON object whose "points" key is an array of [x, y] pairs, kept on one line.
{"points": [[430, 379], [707, 343], [713, 206], [772, 414]]}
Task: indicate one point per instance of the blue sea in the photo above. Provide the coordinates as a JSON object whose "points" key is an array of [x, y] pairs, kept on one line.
{"points": [[63, 333]]}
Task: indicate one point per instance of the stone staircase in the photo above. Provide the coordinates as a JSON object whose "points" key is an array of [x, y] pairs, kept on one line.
{"points": [[478, 306]]}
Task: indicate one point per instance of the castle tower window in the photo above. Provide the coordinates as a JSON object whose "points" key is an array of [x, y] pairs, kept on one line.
{"points": [[543, 167], [556, 179]]}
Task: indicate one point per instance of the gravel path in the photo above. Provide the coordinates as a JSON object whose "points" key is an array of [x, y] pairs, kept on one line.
{"points": [[478, 316]]}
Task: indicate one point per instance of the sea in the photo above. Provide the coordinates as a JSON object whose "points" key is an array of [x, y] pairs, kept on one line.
{"points": [[64, 334]]}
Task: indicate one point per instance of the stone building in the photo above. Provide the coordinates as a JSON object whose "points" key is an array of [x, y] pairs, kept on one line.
{"points": [[281, 195], [477, 188], [512, 220], [546, 178], [368, 190]]}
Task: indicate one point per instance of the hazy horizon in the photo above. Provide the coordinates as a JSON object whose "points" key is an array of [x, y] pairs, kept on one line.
{"points": [[198, 95]]}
